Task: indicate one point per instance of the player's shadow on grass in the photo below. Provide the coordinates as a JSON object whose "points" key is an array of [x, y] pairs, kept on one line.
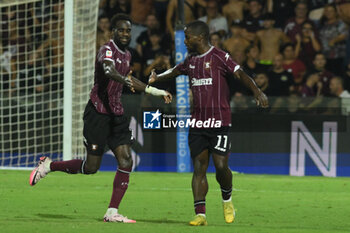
{"points": [[161, 221], [55, 216]]}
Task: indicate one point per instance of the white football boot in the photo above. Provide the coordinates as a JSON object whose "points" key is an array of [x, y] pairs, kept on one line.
{"points": [[40, 171]]}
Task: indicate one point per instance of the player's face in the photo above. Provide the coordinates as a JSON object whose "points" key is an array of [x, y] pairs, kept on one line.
{"points": [[191, 41], [122, 33]]}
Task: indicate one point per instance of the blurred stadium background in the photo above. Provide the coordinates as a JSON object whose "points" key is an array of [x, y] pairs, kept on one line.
{"points": [[47, 54]]}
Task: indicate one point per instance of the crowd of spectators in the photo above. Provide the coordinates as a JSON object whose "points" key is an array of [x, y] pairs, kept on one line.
{"points": [[31, 47], [292, 48]]}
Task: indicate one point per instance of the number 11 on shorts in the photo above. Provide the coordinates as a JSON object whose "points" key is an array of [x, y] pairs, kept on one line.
{"points": [[218, 144]]}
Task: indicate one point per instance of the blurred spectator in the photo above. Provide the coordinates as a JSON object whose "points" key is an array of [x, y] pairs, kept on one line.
{"points": [[253, 20], [343, 7], [280, 80], [233, 10], [319, 66], [103, 31], [236, 44], [292, 64], [156, 58], [333, 34], [117, 6], [252, 64], [190, 13], [143, 41], [215, 40], [307, 44], [311, 88], [135, 64], [281, 10], [262, 81], [160, 9], [6, 68], [101, 7], [337, 88], [347, 77], [270, 39], [294, 25], [54, 47], [215, 21], [140, 9], [293, 102], [316, 10]]}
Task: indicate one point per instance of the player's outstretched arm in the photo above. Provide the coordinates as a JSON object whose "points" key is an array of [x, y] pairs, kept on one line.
{"points": [[167, 75], [260, 97], [142, 87]]}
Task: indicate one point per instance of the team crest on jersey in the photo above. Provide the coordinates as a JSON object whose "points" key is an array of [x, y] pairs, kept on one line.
{"points": [[109, 54], [207, 65]]}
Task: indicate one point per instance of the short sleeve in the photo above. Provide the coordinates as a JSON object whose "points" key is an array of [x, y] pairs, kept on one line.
{"points": [[229, 64], [105, 53]]}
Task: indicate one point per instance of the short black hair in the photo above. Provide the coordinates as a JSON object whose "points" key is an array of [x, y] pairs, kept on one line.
{"points": [[119, 17], [283, 47], [199, 28]]}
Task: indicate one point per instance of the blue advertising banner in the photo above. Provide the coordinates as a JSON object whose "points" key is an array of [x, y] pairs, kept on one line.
{"points": [[182, 106]]}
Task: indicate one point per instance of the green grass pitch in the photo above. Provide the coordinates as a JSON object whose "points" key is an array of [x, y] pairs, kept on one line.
{"points": [[162, 202]]}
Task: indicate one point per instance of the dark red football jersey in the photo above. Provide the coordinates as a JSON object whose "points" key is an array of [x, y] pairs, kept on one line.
{"points": [[208, 75], [105, 94]]}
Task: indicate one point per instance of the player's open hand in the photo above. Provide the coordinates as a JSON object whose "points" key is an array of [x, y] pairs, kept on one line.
{"points": [[261, 100], [167, 98], [152, 77], [131, 83]]}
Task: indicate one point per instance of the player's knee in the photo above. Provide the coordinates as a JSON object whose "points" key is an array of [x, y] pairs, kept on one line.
{"points": [[221, 167], [126, 162]]}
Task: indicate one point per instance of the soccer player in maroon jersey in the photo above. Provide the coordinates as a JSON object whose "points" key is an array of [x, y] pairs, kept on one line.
{"points": [[104, 120], [208, 69]]}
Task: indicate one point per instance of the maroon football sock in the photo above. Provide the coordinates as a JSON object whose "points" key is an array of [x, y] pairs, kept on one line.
{"points": [[120, 185], [70, 166], [199, 207]]}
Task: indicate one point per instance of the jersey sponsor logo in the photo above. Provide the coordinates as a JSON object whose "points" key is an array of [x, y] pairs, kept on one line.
{"points": [[108, 54], [202, 82], [192, 67]]}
